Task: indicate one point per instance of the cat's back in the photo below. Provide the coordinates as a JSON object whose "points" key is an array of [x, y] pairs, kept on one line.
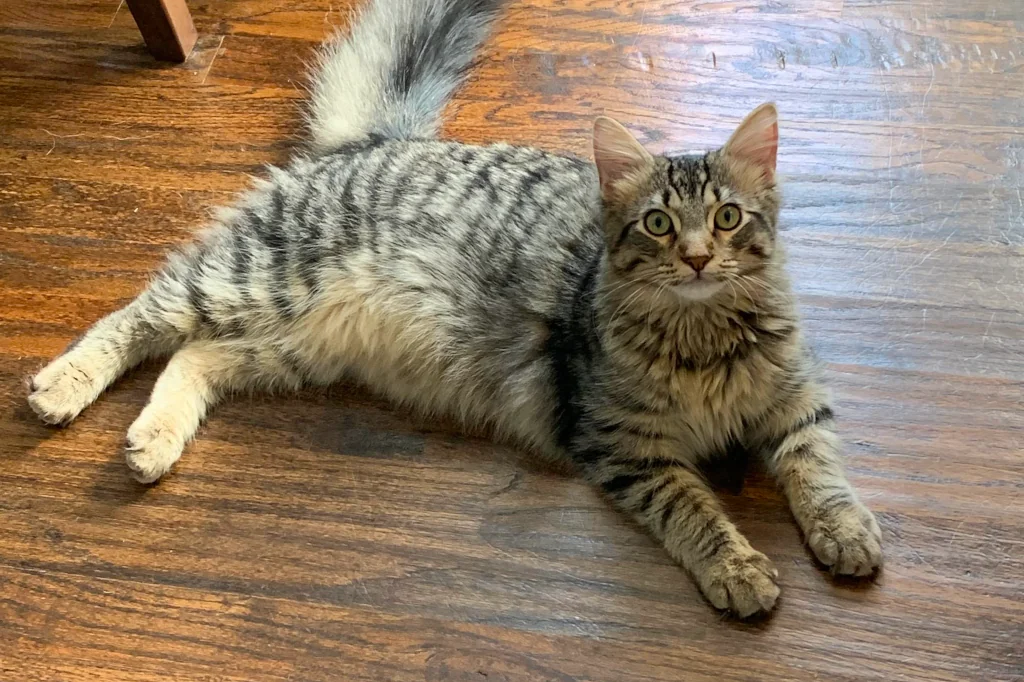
{"points": [[497, 221], [444, 186], [438, 267]]}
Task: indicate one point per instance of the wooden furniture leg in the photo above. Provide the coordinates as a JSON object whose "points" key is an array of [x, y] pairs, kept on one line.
{"points": [[166, 26]]}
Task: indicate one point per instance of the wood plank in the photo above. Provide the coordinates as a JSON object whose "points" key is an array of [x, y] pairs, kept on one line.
{"points": [[73, 16]]}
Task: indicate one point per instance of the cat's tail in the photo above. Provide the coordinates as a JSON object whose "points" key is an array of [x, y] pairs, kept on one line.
{"points": [[395, 70]]}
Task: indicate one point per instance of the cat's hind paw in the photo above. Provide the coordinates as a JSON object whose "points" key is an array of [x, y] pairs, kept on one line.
{"points": [[62, 389], [151, 450]]}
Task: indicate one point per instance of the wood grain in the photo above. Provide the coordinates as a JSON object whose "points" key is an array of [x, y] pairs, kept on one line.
{"points": [[327, 536]]}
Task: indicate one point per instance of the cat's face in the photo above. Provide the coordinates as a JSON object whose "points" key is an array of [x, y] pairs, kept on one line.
{"points": [[694, 225]]}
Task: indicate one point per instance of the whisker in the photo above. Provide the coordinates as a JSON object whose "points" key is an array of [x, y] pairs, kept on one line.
{"points": [[604, 295], [624, 304], [738, 281], [732, 287], [654, 300]]}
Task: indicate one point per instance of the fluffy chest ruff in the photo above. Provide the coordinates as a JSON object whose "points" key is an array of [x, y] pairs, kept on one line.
{"points": [[704, 373]]}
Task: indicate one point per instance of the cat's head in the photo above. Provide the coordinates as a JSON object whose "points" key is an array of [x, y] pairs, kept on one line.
{"points": [[690, 224]]}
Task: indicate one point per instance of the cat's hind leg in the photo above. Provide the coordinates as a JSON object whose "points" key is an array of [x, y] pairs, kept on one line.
{"points": [[193, 296], [196, 378], [190, 384], [112, 346]]}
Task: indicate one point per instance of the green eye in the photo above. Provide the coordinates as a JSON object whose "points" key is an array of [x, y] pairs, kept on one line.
{"points": [[658, 223], [727, 217]]}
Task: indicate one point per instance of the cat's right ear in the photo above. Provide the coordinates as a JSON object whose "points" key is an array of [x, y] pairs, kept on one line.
{"points": [[617, 153]]}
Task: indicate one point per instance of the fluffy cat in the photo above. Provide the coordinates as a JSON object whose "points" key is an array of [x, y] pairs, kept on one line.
{"points": [[631, 316]]}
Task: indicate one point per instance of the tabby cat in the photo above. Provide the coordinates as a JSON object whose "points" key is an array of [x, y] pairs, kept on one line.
{"points": [[630, 316]]}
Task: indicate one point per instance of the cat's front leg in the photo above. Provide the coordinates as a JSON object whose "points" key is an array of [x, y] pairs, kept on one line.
{"points": [[803, 454], [678, 508]]}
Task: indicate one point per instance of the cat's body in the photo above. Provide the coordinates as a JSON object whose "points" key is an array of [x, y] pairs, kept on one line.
{"points": [[630, 318], [457, 256]]}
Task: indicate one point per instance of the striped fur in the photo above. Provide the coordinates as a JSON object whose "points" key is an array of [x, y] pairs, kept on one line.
{"points": [[509, 288]]}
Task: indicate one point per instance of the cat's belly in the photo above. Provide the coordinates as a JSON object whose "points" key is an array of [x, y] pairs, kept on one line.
{"points": [[411, 347]]}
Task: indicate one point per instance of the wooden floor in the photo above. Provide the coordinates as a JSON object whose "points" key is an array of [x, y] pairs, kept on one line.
{"points": [[327, 537]]}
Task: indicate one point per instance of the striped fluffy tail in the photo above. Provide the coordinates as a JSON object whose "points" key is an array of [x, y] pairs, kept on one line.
{"points": [[396, 69]]}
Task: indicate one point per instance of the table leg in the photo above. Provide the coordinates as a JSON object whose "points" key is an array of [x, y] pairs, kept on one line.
{"points": [[166, 26]]}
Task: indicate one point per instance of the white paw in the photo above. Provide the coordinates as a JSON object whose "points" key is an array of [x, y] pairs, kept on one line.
{"points": [[847, 540], [741, 580], [152, 449], [63, 389]]}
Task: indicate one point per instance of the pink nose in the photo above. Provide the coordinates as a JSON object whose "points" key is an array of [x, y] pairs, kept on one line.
{"points": [[697, 262]]}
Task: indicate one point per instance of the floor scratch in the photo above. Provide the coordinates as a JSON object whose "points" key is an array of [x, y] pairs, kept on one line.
{"points": [[210, 65], [119, 6]]}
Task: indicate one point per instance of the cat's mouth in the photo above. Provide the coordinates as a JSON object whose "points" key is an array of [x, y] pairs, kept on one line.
{"points": [[699, 288]]}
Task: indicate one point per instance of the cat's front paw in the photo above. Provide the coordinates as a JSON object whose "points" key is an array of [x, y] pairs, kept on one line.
{"points": [[741, 580], [62, 389], [847, 540]]}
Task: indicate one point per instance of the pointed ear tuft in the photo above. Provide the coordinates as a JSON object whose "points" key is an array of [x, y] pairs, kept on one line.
{"points": [[756, 141], [616, 152]]}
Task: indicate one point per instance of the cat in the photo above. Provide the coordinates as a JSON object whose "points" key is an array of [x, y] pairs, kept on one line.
{"points": [[630, 316]]}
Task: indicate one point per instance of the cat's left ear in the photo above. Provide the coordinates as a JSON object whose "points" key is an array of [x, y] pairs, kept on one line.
{"points": [[617, 154], [756, 141]]}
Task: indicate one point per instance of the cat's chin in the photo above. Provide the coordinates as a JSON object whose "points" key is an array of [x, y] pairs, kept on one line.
{"points": [[699, 289]]}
